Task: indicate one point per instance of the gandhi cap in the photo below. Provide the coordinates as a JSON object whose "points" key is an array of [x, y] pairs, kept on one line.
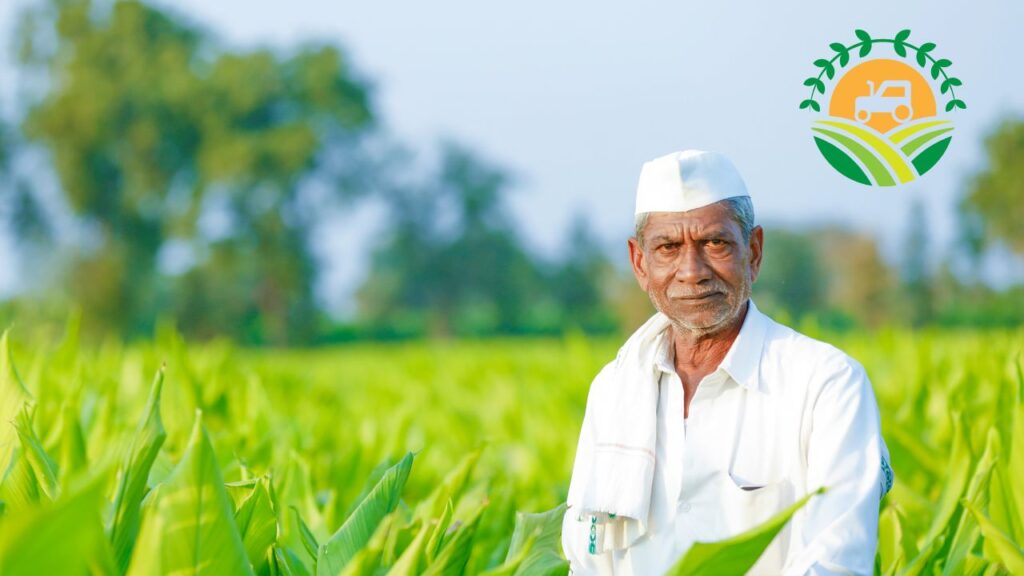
{"points": [[686, 180]]}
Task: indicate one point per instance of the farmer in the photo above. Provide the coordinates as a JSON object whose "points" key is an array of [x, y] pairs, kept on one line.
{"points": [[713, 417]]}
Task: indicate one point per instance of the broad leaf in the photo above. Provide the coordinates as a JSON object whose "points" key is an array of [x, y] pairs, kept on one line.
{"points": [[257, 523], [455, 552], [65, 537], [1009, 554], [188, 525], [149, 437], [361, 524], [13, 396], [738, 554]]}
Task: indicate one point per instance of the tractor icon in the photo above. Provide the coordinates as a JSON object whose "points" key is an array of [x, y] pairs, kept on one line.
{"points": [[887, 99]]}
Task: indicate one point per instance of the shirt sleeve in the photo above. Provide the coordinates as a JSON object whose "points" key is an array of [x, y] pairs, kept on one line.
{"points": [[837, 532]]}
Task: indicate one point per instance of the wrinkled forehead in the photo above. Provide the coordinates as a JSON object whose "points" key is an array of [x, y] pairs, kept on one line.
{"points": [[714, 217]]}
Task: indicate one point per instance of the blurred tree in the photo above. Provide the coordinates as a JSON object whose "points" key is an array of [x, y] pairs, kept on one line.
{"points": [[917, 293], [19, 206], [992, 208], [450, 261], [584, 282], [153, 131], [792, 277], [860, 283], [834, 275]]}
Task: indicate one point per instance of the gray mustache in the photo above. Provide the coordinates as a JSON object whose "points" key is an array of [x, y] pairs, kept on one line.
{"points": [[694, 294]]}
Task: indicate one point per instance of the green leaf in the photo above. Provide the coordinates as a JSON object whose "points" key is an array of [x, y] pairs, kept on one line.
{"points": [[361, 524], [412, 560], [295, 489], [1009, 553], [938, 66], [65, 537], [370, 560], [439, 531], [1015, 466], [844, 54], [958, 472], [308, 539], [537, 538], [451, 488], [455, 553], [818, 84], [865, 42], [32, 477], [955, 103], [257, 523], [43, 468], [810, 103], [71, 452], [824, 64], [286, 562], [738, 554], [921, 562], [188, 525], [131, 488], [898, 42], [922, 53], [890, 540], [966, 534], [1002, 508], [12, 396]]}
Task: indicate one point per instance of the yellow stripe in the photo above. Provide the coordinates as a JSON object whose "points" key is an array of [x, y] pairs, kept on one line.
{"points": [[908, 131], [883, 147]]}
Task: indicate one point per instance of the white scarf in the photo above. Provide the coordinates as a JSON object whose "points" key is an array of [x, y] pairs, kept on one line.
{"points": [[613, 475]]}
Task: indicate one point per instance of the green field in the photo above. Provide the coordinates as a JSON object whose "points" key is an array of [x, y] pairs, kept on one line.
{"points": [[295, 462], [868, 156]]}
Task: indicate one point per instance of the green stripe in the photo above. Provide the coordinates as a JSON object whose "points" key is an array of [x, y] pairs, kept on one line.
{"points": [[883, 147], [916, 143], [873, 164], [841, 161], [908, 131]]}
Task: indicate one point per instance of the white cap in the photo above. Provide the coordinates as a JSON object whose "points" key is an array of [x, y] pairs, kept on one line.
{"points": [[686, 180]]}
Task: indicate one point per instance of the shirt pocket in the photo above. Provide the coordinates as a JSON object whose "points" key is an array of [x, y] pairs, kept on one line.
{"points": [[746, 504]]}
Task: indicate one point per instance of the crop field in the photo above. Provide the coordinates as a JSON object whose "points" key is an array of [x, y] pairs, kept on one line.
{"points": [[440, 458]]}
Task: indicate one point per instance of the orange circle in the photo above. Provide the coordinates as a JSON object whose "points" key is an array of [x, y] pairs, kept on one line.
{"points": [[890, 105]]}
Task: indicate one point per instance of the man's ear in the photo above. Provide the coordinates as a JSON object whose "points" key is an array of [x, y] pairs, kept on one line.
{"points": [[756, 251], [636, 259]]}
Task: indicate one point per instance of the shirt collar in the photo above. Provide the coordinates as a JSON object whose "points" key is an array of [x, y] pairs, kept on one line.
{"points": [[743, 360]]}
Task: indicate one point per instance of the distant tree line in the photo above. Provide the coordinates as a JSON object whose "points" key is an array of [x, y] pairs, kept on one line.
{"points": [[194, 176]]}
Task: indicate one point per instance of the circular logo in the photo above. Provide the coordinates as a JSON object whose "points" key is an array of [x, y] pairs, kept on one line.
{"points": [[882, 124]]}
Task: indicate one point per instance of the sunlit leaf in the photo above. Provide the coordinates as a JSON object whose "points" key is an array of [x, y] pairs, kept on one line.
{"points": [[738, 554]]}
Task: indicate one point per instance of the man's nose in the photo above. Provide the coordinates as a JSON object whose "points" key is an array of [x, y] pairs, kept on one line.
{"points": [[691, 267]]}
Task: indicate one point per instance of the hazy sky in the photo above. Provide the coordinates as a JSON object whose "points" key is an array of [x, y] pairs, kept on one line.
{"points": [[572, 97]]}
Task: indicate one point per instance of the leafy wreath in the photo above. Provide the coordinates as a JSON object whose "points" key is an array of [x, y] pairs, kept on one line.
{"points": [[900, 46]]}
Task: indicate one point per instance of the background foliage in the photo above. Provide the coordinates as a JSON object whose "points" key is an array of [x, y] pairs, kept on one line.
{"points": [[195, 176]]}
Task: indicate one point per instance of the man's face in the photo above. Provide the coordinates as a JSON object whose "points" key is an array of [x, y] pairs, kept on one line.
{"points": [[696, 267]]}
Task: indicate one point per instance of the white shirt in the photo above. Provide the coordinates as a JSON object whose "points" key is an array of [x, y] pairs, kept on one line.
{"points": [[781, 415]]}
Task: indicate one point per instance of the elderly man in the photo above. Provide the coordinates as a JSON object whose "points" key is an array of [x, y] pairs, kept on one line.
{"points": [[712, 418]]}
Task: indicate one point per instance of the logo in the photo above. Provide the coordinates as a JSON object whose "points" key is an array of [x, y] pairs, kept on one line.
{"points": [[882, 125]]}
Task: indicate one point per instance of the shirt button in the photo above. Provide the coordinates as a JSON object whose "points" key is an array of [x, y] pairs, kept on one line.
{"points": [[684, 507]]}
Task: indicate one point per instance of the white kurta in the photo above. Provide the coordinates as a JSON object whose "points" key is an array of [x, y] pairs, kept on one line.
{"points": [[782, 415]]}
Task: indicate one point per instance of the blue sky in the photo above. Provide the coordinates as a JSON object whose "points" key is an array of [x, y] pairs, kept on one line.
{"points": [[572, 97]]}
